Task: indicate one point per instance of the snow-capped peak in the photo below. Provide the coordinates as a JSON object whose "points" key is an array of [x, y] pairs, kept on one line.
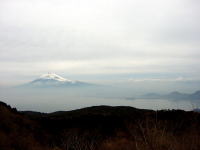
{"points": [[53, 76]]}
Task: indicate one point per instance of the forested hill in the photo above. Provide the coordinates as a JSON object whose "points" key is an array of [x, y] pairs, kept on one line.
{"points": [[99, 128]]}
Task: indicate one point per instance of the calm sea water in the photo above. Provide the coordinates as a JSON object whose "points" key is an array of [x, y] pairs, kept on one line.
{"points": [[45, 101]]}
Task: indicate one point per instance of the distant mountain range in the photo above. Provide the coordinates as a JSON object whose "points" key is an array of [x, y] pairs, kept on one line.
{"points": [[196, 110], [174, 96], [53, 80]]}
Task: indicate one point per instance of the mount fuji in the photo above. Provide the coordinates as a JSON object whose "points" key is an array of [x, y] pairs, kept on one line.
{"points": [[54, 80]]}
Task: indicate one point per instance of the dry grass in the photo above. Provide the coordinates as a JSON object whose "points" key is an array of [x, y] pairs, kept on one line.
{"points": [[163, 130], [153, 135]]}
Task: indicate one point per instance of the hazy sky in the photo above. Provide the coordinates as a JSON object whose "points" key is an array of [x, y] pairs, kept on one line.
{"points": [[133, 40]]}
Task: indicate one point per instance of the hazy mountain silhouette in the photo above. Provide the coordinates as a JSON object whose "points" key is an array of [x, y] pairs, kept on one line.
{"points": [[174, 96], [196, 110], [53, 80]]}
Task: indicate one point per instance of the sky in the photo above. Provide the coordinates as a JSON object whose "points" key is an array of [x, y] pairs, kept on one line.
{"points": [[100, 40]]}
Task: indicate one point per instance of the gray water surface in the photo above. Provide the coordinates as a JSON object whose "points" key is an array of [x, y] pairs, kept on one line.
{"points": [[50, 101]]}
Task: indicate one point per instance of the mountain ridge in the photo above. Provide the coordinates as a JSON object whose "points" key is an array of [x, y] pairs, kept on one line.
{"points": [[175, 95], [53, 80], [98, 128]]}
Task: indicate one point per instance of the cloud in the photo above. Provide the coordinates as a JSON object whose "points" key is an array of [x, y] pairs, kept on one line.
{"points": [[103, 37], [179, 79], [104, 66]]}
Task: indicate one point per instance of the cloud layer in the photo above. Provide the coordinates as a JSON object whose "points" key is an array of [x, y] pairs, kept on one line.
{"points": [[99, 37]]}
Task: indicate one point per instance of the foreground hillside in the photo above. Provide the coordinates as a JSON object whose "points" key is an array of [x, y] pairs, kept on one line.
{"points": [[99, 128]]}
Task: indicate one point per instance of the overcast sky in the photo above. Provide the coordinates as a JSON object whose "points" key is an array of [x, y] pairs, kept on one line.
{"points": [[100, 39]]}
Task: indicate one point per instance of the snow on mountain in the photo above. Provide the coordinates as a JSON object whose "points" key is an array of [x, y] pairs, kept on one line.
{"points": [[54, 80], [53, 76]]}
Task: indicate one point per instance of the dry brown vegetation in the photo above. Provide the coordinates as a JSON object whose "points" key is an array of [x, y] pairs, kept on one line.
{"points": [[157, 137], [99, 128]]}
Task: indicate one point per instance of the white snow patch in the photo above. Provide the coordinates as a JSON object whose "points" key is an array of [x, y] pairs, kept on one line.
{"points": [[56, 77]]}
